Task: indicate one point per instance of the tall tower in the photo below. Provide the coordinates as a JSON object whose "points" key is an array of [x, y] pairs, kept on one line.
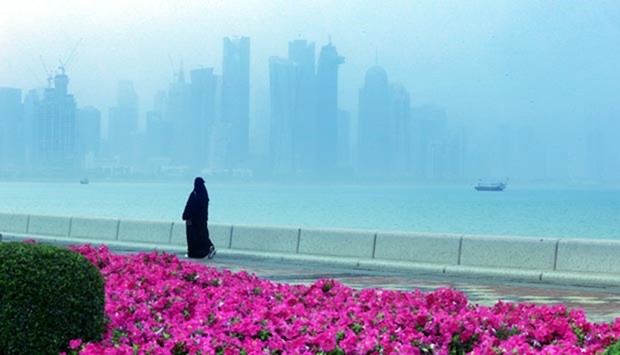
{"points": [[400, 127], [327, 108], [123, 122], [301, 54], [284, 92], [55, 128], [236, 98], [88, 125], [374, 125], [203, 92], [177, 113]]}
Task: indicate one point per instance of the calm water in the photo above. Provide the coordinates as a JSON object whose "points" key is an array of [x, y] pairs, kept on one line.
{"points": [[567, 213]]}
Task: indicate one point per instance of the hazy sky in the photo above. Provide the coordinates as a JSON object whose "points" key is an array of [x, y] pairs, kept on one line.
{"points": [[548, 62]]}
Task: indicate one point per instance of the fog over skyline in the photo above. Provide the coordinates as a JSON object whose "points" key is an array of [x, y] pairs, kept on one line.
{"points": [[552, 65]]}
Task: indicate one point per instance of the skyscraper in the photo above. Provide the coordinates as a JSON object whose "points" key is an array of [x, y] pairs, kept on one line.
{"points": [[374, 124], [304, 110], [236, 98], [123, 123], [203, 95], [429, 137], [55, 128], [301, 54], [327, 108], [284, 92], [88, 125], [177, 111], [400, 112]]}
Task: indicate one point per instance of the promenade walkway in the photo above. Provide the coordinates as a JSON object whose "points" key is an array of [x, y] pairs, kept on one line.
{"points": [[600, 303]]}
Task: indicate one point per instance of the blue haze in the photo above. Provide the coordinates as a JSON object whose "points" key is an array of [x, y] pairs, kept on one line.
{"points": [[450, 90], [568, 213]]}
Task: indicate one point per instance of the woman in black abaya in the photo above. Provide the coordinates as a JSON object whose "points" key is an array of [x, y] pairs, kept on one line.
{"points": [[196, 215]]}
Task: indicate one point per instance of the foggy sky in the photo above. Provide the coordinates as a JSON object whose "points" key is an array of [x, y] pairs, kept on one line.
{"points": [[549, 63]]}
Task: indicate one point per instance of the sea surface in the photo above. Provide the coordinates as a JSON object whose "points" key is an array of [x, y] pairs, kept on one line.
{"points": [[542, 212]]}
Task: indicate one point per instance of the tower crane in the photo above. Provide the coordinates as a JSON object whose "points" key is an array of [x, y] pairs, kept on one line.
{"points": [[65, 63]]}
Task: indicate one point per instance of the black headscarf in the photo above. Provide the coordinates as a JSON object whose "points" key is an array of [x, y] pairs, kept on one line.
{"points": [[197, 206], [201, 189]]}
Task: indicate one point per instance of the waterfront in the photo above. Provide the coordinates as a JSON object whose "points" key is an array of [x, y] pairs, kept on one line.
{"points": [[567, 212]]}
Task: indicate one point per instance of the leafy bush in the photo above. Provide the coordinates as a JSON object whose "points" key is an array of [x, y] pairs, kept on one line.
{"points": [[614, 349], [48, 296]]}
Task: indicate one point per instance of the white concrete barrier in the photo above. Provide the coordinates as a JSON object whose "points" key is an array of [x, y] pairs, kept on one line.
{"points": [[152, 232], [588, 256], [14, 223], [418, 247], [552, 260], [178, 236], [96, 229], [218, 233], [337, 242], [49, 225], [267, 239], [508, 252], [221, 235]]}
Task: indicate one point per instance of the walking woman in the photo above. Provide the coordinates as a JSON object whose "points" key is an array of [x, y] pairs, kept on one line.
{"points": [[196, 215]]}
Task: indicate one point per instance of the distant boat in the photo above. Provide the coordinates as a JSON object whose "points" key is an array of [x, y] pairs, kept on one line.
{"points": [[84, 181], [494, 186]]}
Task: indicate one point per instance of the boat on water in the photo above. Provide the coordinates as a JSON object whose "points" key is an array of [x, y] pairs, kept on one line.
{"points": [[84, 181], [494, 186]]}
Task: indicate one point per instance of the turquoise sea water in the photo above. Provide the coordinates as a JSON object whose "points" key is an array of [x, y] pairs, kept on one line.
{"points": [[570, 213]]}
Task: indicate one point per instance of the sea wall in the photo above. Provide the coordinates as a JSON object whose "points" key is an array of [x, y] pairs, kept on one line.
{"points": [[557, 260]]}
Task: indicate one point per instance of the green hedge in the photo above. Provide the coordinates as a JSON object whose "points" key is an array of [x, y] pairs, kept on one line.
{"points": [[48, 296]]}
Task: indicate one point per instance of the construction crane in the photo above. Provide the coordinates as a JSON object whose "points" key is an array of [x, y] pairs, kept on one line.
{"points": [[47, 72], [64, 64]]}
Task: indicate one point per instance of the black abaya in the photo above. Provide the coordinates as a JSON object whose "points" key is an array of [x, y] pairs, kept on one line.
{"points": [[196, 215]]}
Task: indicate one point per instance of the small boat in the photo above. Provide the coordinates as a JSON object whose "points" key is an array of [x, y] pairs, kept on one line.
{"points": [[84, 181], [494, 186]]}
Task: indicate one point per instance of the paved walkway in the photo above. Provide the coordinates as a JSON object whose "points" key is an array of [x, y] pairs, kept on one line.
{"points": [[601, 304]]}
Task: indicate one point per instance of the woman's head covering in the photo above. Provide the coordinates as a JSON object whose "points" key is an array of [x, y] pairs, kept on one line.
{"points": [[200, 188], [198, 182]]}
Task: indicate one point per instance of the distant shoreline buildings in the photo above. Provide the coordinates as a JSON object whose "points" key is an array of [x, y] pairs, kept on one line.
{"points": [[201, 125]]}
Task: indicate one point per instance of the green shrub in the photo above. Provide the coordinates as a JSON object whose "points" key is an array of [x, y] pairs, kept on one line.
{"points": [[48, 296], [613, 349]]}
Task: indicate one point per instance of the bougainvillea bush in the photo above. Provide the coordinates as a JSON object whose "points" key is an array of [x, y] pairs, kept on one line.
{"points": [[158, 304]]}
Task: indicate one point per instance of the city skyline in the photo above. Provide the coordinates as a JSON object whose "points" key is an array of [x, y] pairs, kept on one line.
{"points": [[423, 146], [549, 69], [528, 61]]}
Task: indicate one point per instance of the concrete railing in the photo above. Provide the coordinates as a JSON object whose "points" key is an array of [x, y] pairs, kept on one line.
{"points": [[526, 258]]}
